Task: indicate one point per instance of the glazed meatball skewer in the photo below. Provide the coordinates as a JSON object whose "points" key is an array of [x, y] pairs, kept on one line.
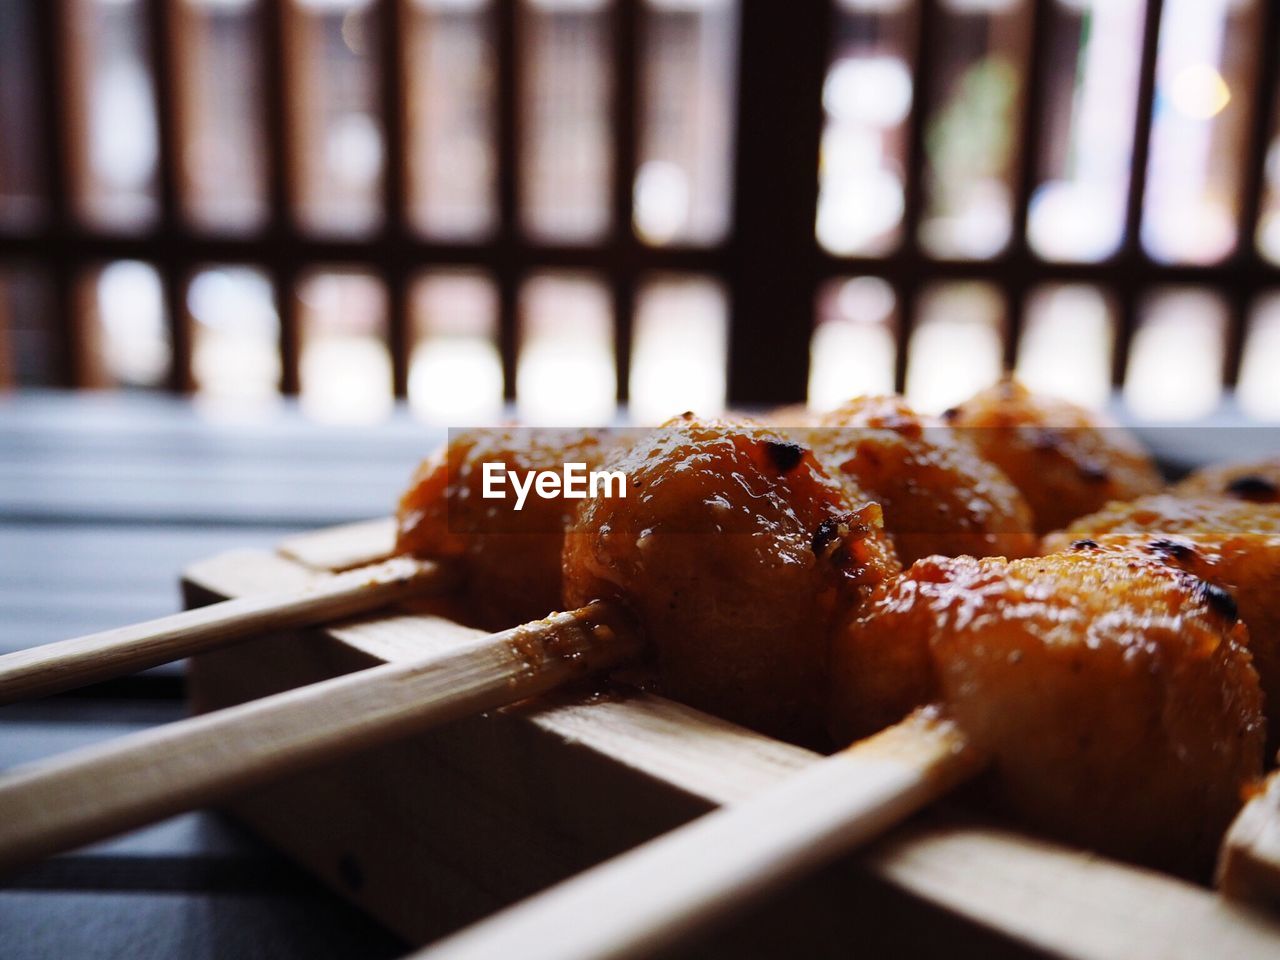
{"points": [[517, 572], [773, 684], [1067, 461], [89, 794], [1230, 543], [939, 496], [1029, 663], [1222, 524]]}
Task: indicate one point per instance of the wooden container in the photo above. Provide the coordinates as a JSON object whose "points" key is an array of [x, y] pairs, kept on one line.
{"points": [[439, 830]]}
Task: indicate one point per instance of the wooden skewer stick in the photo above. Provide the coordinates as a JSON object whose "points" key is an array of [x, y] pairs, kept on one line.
{"points": [[661, 892], [88, 794], [1249, 863], [68, 664]]}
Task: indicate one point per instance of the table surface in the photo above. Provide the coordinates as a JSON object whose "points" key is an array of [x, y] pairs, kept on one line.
{"points": [[103, 500]]}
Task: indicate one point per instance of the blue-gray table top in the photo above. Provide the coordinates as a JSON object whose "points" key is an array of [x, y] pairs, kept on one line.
{"points": [[103, 500]]}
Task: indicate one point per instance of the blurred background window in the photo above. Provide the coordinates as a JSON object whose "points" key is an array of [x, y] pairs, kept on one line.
{"points": [[1067, 342], [689, 57], [224, 178], [566, 173], [455, 367], [852, 350], [955, 347], [1087, 117], [970, 141], [126, 329], [20, 105], [1208, 51], [338, 154], [1267, 233], [678, 348], [566, 370], [1175, 365], [450, 72], [867, 97], [554, 205], [1259, 395], [235, 336], [29, 352], [345, 365], [111, 99]]}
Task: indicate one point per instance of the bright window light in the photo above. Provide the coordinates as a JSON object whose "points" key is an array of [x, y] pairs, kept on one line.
{"points": [[678, 351], [867, 96], [1175, 360], [955, 348], [688, 92], [1258, 389], [132, 331], [455, 369], [345, 366], [565, 372], [1066, 343], [235, 337], [1078, 210], [1189, 215], [852, 351]]}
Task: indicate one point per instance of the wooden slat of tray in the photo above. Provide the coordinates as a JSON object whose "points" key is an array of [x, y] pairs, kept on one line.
{"points": [[343, 547], [435, 832]]}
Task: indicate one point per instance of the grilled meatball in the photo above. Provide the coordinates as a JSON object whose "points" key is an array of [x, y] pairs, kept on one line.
{"points": [[1066, 461], [1256, 482], [510, 560], [1112, 694], [938, 495], [736, 550], [1231, 543]]}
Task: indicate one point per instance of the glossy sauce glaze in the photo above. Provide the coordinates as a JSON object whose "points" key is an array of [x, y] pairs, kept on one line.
{"points": [[736, 552], [1066, 460], [510, 559], [1234, 544], [1115, 699], [939, 496]]}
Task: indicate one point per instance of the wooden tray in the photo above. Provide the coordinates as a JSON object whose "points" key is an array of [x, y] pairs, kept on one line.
{"points": [[440, 830]]}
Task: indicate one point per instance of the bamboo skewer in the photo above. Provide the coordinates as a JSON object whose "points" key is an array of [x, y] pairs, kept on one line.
{"points": [[68, 664], [1249, 865], [663, 891], [88, 794]]}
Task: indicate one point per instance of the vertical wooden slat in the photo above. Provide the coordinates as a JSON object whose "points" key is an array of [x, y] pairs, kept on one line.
{"points": [[279, 161], [1029, 134], [908, 280], [1131, 251], [506, 249], [51, 30], [626, 22], [1258, 138], [161, 34], [774, 254], [394, 77]]}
